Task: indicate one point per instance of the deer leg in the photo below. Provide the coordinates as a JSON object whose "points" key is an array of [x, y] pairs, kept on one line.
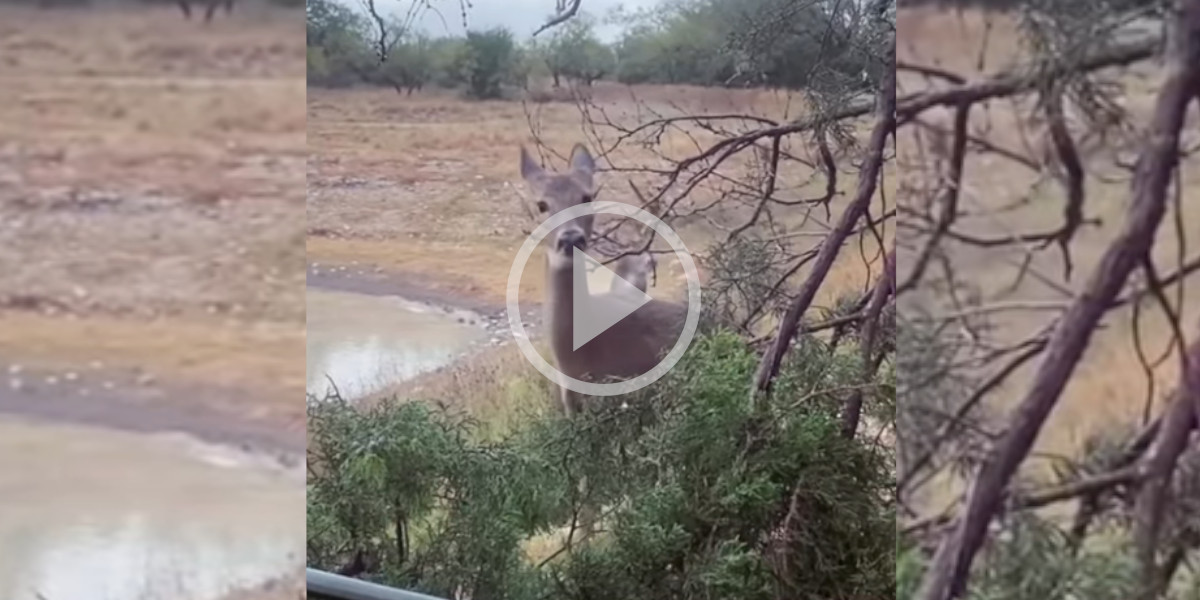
{"points": [[186, 8], [228, 7], [212, 8], [570, 401]]}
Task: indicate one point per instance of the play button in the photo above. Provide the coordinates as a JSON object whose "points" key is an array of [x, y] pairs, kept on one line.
{"points": [[599, 312], [591, 313]]}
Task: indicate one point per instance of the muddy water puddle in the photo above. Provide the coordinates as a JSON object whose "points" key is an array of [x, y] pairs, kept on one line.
{"points": [[363, 343], [96, 514]]}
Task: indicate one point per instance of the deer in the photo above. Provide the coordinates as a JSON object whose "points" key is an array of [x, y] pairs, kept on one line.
{"points": [[186, 7], [637, 269], [632, 346]]}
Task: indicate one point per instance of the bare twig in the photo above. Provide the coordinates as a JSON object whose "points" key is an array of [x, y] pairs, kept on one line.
{"points": [[884, 289]]}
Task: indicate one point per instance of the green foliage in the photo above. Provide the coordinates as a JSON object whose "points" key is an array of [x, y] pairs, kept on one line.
{"points": [[576, 53], [490, 62], [703, 494], [910, 567], [784, 43], [409, 65], [684, 43], [1034, 558], [743, 277], [1036, 561], [337, 49]]}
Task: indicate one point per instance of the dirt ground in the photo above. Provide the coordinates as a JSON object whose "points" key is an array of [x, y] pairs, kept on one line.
{"points": [[1109, 387], [152, 220], [151, 196]]}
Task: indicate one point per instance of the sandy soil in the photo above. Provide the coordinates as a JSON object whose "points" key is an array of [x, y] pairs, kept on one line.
{"points": [[151, 186]]}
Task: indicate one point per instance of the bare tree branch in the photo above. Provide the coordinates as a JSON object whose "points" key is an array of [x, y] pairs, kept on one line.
{"points": [[1158, 467], [885, 127], [1020, 80], [947, 575], [564, 13], [884, 288]]}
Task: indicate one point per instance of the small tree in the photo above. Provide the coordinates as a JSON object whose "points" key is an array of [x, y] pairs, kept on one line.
{"points": [[409, 66], [490, 58], [337, 50], [576, 53]]}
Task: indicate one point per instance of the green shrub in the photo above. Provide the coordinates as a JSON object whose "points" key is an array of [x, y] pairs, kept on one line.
{"points": [[489, 62], [702, 493]]}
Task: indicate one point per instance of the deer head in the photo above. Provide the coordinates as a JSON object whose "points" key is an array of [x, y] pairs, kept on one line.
{"points": [[556, 192]]}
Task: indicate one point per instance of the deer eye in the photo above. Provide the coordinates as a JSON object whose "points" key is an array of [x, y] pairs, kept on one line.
{"points": [[542, 206]]}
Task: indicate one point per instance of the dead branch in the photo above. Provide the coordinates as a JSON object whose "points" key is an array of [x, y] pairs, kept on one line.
{"points": [[947, 575], [1043, 497], [563, 13], [1158, 467], [1072, 177], [949, 199], [885, 127], [884, 289], [1020, 80]]}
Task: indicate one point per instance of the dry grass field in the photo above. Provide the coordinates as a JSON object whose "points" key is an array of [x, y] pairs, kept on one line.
{"points": [[1109, 387], [151, 196]]}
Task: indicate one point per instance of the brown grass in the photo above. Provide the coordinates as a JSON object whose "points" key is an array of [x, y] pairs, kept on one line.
{"points": [[151, 191]]}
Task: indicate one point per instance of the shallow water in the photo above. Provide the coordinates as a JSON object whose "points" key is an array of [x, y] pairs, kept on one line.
{"points": [[363, 343], [95, 514]]}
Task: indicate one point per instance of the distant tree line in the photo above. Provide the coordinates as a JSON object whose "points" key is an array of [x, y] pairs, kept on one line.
{"points": [[1111, 5], [732, 43], [202, 4]]}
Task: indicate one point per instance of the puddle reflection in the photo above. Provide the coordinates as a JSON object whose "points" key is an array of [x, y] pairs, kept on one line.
{"points": [[362, 343], [92, 514]]}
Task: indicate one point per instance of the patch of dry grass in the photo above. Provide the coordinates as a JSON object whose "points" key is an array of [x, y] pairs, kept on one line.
{"points": [[495, 386], [151, 190]]}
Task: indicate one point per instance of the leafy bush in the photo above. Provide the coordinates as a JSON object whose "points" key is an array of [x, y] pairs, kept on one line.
{"points": [[490, 60], [701, 493], [576, 53], [1034, 558]]}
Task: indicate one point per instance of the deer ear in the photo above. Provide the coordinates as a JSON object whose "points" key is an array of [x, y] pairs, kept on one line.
{"points": [[530, 170], [581, 160]]}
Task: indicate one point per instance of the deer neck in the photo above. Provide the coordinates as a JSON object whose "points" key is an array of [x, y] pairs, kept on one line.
{"points": [[560, 305]]}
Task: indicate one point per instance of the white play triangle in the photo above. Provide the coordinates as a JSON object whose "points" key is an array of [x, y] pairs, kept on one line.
{"points": [[593, 314]]}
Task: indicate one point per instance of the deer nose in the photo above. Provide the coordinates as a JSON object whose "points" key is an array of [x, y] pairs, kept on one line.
{"points": [[571, 239]]}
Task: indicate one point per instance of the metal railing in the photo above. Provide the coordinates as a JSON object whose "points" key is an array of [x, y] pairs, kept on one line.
{"points": [[327, 586]]}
